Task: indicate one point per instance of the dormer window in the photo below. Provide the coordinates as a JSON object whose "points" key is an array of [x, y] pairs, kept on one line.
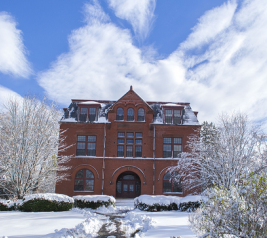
{"points": [[88, 114], [172, 116], [83, 114], [130, 114], [92, 114], [119, 114], [141, 114]]}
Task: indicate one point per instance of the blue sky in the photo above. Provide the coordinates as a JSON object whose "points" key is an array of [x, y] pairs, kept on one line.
{"points": [[211, 53]]}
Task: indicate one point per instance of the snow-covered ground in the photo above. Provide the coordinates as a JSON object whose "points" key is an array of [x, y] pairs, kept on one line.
{"points": [[36, 224], [43, 224], [168, 224]]}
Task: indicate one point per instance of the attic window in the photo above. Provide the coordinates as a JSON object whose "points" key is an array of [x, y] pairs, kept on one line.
{"points": [[83, 114], [130, 114], [92, 114], [141, 114], [172, 116], [119, 114]]}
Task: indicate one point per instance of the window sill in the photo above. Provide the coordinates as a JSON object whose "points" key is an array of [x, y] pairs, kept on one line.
{"points": [[83, 191], [173, 193]]}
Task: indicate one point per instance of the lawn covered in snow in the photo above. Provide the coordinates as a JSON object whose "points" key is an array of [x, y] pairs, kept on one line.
{"points": [[16, 224]]}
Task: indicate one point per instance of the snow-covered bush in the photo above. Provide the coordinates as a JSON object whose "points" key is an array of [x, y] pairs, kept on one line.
{"points": [[238, 211], [166, 203], [7, 205], [93, 201], [45, 202]]}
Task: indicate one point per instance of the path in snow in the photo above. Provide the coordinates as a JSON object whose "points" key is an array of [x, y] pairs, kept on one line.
{"points": [[114, 227]]}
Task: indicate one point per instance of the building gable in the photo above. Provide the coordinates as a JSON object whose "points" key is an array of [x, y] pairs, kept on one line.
{"points": [[131, 97]]}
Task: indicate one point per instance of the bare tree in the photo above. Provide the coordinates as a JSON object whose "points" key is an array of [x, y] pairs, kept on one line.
{"points": [[30, 140], [223, 155]]}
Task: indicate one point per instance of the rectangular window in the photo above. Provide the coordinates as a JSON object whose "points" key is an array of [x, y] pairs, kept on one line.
{"points": [[130, 134], [132, 144], [120, 134], [92, 114], [83, 114], [120, 151], [86, 145], [138, 151], [172, 147], [138, 135], [129, 151], [168, 116], [80, 148], [129, 141], [176, 117], [172, 116]]}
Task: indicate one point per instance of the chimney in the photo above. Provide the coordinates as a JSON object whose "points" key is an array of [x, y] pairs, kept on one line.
{"points": [[131, 88]]}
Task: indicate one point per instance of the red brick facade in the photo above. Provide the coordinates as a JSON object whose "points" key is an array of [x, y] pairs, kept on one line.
{"points": [[145, 172]]}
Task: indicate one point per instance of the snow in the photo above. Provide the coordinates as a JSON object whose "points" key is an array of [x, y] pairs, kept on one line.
{"points": [[17, 224], [171, 105], [189, 117], [101, 120], [159, 199], [134, 221], [50, 197], [8, 203], [69, 120], [89, 102], [192, 198], [86, 223], [95, 198], [168, 224]]}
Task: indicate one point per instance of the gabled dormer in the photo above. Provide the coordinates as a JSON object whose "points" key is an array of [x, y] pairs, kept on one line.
{"points": [[130, 108]]}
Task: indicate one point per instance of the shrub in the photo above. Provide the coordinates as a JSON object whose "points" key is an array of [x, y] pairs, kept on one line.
{"points": [[7, 205], [42, 205], [189, 206], [93, 201], [156, 207], [46, 202], [167, 203]]}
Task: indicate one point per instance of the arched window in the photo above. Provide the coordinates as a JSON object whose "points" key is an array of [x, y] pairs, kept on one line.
{"points": [[141, 114], [84, 181], [172, 183], [130, 114], [119, 114]]}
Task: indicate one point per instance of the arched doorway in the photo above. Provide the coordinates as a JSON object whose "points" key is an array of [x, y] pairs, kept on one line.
{"points": [[128, 185]]}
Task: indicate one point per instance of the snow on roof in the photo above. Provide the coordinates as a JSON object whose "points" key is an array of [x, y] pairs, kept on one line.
{"points": [[172, 105], [189, 117], [89, 102], [71, 119]]}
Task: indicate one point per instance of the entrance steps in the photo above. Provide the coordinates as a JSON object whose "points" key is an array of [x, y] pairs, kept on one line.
{"points": [[125, 202]]}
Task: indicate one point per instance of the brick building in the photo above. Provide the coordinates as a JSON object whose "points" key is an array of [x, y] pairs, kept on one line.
{"points": [[124, 148]]}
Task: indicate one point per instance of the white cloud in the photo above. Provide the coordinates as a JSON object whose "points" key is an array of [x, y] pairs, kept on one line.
{"points": [[230, 73], [210, 25], [139, 13], [12, 50]]}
